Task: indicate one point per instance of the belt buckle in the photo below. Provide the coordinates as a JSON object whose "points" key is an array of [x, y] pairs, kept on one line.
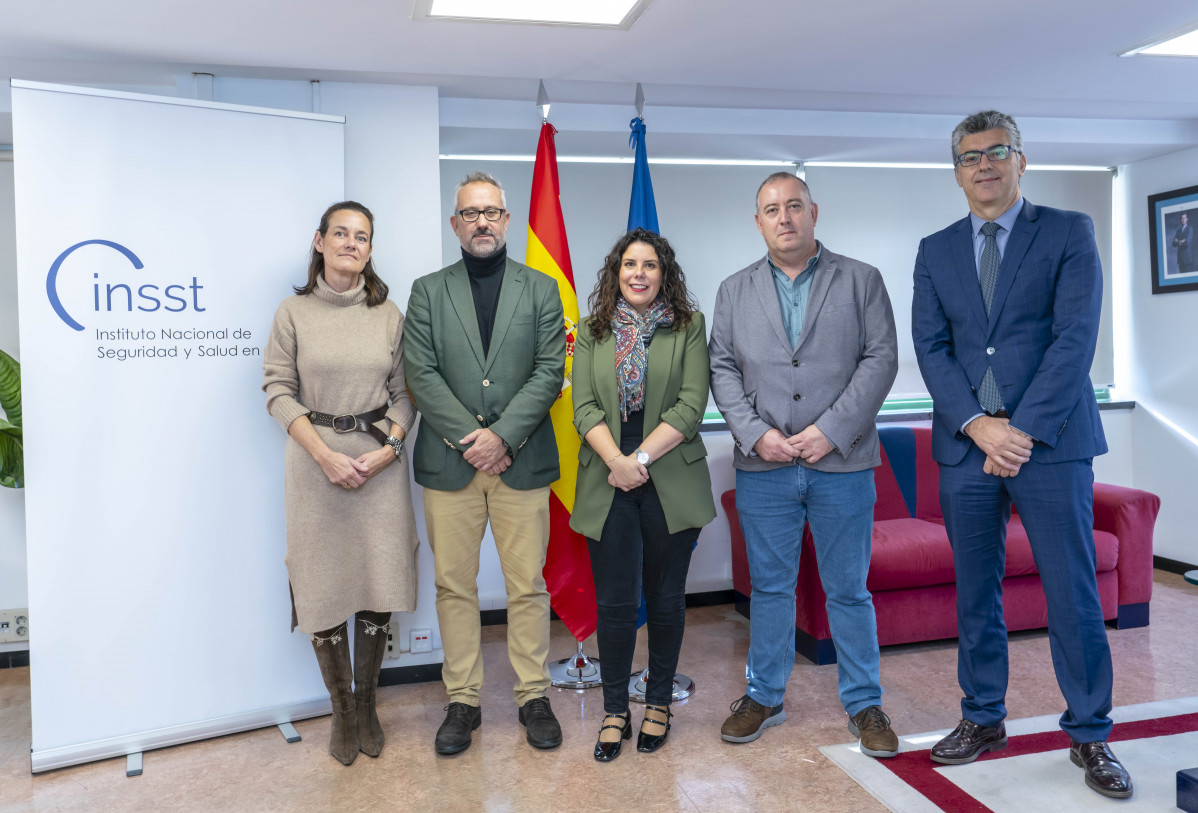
{"points": [[353, 423]]}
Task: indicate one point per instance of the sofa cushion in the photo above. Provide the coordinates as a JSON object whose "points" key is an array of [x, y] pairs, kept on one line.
{"points": [[916, 553], [1019, 551], [909, 553]]}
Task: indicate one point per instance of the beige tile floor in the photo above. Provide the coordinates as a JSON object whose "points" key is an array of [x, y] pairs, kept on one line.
{"points": [[695, 771]]}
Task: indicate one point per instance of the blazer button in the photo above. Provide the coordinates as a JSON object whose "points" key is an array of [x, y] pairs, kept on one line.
{"points": [[480, 418], [486, 382], [797, 396], [989, 351], [794, 362]]}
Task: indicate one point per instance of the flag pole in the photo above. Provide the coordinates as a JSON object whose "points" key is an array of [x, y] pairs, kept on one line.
{"points": [[579, 671], [642, 212]]}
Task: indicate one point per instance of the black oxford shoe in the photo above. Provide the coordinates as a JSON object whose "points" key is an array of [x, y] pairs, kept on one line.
{"points": [[453, 736], [1104, 773], [541, 728], [969, 741]]}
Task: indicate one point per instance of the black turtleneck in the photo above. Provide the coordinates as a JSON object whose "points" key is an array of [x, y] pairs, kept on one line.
{"points": [[486, 277]]}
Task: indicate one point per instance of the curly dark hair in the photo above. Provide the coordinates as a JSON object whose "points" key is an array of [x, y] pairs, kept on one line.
{"points": [[602, 301], [376, 289]]}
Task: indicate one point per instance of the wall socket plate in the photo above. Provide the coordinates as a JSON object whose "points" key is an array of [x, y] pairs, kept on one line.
{"points": [[422, 641], [14, 625]]}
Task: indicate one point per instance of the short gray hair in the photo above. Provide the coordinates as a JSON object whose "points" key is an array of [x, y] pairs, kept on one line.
{"points": [[983, 121], [480, 177], [780, 176]]}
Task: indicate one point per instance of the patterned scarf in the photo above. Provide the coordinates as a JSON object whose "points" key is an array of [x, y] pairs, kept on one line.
{"points": [[631, 330]]}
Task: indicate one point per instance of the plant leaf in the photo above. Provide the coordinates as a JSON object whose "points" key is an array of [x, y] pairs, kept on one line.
{"points": [[10, 388], [12, 461]]}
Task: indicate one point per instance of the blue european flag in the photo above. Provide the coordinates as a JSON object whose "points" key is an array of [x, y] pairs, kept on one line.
{"points": [[642, 210]]}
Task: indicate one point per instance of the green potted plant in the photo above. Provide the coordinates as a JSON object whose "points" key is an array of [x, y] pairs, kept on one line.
{"points": [[12, 456]]}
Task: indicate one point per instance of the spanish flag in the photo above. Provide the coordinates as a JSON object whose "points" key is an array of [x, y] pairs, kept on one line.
{"points": [[567, 564]]}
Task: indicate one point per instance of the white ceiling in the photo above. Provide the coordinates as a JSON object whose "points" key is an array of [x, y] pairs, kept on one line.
{"points": [[775, 79]]}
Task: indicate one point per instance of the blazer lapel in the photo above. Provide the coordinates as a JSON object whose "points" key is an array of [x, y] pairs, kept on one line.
{"points": [[1022, 232], [457, 283], [657, 375], [605, 389], [825, 270], [967, 269], [763, 283], [509, 297]]}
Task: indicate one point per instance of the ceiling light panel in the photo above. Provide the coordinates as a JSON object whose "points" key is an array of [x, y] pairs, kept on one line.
{"points": [[595, 13], [1178, 43]]}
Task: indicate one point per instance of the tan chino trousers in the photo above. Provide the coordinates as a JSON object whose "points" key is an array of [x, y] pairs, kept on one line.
{"points": [[456, 521]]}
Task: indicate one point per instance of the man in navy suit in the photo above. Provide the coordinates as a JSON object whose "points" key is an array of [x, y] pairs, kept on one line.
{"points": [[1004, 318], [1183, 241]]}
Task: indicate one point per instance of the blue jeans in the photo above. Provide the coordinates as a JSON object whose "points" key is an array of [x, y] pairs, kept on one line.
{"points": [[773, 507]]}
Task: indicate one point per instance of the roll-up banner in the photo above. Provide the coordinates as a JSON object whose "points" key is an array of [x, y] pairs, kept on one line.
{"points": [[155, 238]]}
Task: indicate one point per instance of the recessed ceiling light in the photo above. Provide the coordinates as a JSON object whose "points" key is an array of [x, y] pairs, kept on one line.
{"points": [[1177, 43], [601, 13]]}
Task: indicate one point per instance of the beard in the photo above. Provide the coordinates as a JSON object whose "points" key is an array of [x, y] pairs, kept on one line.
{"points": [[482, 252]]}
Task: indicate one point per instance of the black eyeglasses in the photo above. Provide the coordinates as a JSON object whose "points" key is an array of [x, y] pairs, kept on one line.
{"points": [[490, 213], [999, 152]]}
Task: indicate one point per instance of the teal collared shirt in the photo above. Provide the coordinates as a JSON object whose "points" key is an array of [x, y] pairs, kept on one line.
{"points": [[792, 294]]}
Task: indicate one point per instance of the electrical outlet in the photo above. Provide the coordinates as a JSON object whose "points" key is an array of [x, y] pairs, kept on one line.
{"points": [[422, 641], [14, 626]]}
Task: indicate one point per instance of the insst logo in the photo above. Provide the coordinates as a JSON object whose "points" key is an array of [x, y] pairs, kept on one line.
{"points": [[120, 296]]}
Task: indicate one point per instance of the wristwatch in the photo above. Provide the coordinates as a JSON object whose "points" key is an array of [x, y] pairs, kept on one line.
{"points": [[396, 444], [642, 457]]}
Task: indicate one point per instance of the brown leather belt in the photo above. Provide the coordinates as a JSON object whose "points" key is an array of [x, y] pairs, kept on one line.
{"points": [[1002, 413], [342, 424]]}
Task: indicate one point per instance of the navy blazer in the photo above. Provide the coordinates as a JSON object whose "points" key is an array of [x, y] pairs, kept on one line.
{"points": [[1039, 337]]}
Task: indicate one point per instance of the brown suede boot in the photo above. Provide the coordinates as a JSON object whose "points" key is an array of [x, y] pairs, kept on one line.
{"points": [[332, 654], [370, 644]]}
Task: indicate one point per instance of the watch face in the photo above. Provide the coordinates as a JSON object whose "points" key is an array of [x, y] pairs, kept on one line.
{"points": [[642, 458]]}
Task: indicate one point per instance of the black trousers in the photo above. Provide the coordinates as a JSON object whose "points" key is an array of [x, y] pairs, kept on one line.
{"points": [[635, 552]]}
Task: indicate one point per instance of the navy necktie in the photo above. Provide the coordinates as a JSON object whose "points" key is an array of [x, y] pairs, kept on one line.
{"points": [[988, 395]]}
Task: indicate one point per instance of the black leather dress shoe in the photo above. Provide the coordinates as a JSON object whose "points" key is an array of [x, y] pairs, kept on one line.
{"points": [[453, 736], [648, 743], [607, 751], [969, 741], [1104, 773]]}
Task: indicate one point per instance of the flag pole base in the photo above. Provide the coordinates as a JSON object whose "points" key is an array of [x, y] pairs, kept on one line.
{"points": [[579, 671], [684, 687]]}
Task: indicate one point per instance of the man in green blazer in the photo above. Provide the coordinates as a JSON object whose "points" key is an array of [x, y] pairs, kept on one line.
{"points": [[485, 356]]}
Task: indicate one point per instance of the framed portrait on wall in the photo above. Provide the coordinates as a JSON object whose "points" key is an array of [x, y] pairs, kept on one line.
{"points": [[1172, 225]]}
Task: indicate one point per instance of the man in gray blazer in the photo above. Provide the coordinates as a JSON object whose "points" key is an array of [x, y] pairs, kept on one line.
{"points": [[803, 353], [485, 354]]}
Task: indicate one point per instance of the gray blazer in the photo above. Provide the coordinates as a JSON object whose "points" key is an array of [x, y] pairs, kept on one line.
{"points": [[836, 378]]}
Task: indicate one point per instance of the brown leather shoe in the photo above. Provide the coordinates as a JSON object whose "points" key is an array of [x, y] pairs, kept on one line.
{"points": [[750, 718], [1104, 773], [872, 727], [967, 742]]}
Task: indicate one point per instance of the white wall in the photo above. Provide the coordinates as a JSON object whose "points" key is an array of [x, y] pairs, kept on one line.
{"points": [[1154, 358]]}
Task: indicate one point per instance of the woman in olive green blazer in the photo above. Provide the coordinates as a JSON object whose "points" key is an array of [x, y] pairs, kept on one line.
{"points": [[643, 492]]}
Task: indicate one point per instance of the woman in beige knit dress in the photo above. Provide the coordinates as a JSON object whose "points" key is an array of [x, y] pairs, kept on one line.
{"points": [[335, 382]]}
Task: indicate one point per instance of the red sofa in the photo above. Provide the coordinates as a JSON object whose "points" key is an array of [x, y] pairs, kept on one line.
{"points": [[911, 566]]}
